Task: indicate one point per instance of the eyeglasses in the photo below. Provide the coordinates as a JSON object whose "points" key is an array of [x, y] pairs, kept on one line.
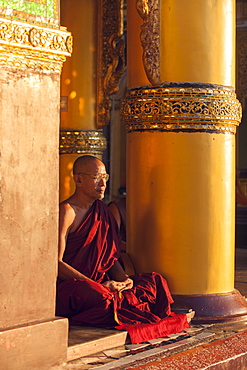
{"points": [[96, 178]]}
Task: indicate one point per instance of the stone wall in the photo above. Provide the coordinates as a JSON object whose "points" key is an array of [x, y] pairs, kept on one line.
{"points": [[32, 50], [29, 194]]}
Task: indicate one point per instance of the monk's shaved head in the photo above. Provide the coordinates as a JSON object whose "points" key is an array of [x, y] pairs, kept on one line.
{"points": [[83, 162]]}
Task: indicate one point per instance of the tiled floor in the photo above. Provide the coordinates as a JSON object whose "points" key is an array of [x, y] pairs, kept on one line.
{"points": [[112, 353]]}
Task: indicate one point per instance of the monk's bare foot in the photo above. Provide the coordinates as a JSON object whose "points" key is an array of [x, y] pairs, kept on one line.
{"points": [[190, 315]]}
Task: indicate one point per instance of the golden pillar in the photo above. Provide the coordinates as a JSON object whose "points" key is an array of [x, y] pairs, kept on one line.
{"points": [[181, 114], [88, 78], [78, 132]]}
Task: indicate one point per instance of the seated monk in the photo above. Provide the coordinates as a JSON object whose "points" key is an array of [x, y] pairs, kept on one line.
{"points": [[92, 287]]}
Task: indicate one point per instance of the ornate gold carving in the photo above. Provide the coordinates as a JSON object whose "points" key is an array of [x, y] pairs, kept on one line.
{"points": [[178, 108], [149, 10], [242, 66], [111, 58], [24, 45], [82, 142]]}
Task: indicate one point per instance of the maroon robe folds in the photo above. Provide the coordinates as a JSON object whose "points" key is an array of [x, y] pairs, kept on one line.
{"points": [[144, 311]]}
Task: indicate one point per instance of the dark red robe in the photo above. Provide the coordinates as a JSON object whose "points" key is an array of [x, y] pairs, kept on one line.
{"points": [[144, 311]]}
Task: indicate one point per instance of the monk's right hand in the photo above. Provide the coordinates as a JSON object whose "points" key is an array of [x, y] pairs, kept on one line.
{"points": [[115, 286]]}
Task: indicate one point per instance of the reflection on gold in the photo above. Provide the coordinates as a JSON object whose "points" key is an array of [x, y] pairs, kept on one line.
{"points": [[81, 106], [70, 165], [67, 186], [72, 95]]}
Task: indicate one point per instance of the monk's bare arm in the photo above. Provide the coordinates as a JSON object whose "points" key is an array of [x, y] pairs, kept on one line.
{"points": [[66, 219]]}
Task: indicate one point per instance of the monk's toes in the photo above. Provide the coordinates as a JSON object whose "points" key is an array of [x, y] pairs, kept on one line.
{"points": [[190, 315]]}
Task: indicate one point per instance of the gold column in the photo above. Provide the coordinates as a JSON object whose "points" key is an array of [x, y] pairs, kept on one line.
{"points": [[78, 134], [88, 78], [181, 151]]}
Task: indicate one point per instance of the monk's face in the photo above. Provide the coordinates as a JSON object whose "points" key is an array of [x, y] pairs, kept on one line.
{"points": [[91, 180]]}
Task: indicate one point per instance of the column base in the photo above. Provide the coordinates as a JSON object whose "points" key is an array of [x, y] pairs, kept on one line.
{"points": [[37, 345], [211, 308]]}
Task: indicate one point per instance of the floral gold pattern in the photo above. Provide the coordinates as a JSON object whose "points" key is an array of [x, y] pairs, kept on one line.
{"points": [[149, 10], [82, 142], [111, 56], [25, 45], [182, 108], [242, 66]]}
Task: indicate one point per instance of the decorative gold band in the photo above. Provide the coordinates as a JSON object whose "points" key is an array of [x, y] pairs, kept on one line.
{"points": [[28, 45], [82, 142], [182, 107]]}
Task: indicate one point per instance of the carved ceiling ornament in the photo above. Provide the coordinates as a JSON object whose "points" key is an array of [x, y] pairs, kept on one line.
{"points": [[111, 55], [149, 10]]}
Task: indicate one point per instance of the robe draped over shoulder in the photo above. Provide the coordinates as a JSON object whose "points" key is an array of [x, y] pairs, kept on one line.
{"points": [[144, 311], [94, 247]]}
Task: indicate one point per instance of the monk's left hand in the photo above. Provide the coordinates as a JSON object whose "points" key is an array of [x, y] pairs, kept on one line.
{"points": [[115, 286], [119, 286], [128, 284]]}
